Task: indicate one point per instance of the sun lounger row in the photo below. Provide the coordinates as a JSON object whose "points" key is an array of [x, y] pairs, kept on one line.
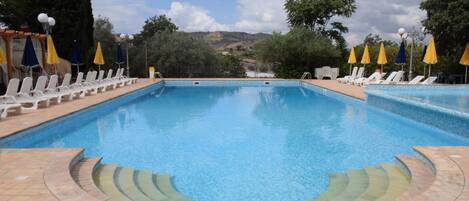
{"points": [[45, 93], [396, 77]]}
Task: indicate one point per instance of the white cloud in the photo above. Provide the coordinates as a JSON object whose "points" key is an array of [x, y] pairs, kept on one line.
{"points": [[261, 16], [381, 17], [192, 18], [127, 16]]}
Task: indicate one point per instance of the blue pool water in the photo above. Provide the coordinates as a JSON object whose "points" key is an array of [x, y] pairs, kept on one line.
{"points": [[242, 143]]}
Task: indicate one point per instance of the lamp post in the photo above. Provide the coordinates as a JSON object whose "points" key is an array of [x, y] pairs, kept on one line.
{"points": [[128, 39], [47, 24], [413, 35]]}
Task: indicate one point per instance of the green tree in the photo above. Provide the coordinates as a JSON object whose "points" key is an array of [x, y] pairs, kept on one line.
{"points": [[316, 15], [176, 54], [448, 23], [157, 24], [298, 51], [232, 67], [74, 21]]}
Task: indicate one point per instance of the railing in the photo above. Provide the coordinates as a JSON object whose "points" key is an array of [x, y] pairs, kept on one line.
{"points": [[306, 75]]}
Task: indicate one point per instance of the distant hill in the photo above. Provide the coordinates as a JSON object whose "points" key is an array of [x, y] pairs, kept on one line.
{"points": [[232, 42]]}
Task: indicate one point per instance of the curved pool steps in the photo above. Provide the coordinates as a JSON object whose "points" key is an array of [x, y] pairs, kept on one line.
{"points": [[384, 182], [105, 180], [58, 177], [337, 184], [357, 185], [146, 182], [83, 172], [125, 179], [128, 184], [378, 183], [421, 174], [165, 185], [398, 182]]}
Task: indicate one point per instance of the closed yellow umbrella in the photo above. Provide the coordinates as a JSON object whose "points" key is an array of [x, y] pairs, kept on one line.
{"points": [[382, 56], [430, 56], [352, 59], [3, 59], [52, 57], [98, 57], [465, 60], [366, 56]]}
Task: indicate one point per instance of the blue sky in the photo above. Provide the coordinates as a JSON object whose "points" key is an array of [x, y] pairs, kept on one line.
{"points": [[381, 17]]}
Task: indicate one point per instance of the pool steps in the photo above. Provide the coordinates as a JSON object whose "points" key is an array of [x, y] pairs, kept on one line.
{"points": [[434, 174], [127, 184]]}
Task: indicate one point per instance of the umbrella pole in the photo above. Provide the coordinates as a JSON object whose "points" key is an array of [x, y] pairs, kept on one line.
{"points": [[429, 70], [31, 72], [350, 69], [382, 68], [99, 67]]}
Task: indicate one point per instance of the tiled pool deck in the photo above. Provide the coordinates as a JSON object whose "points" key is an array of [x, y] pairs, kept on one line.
{"points": [[45, 174]]}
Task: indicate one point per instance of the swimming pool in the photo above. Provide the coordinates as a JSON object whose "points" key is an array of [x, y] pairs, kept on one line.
{"points": [[443, 106], [238, 140]]}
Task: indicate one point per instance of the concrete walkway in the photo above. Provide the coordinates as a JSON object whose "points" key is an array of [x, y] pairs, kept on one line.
{"points": [[349, 90]]}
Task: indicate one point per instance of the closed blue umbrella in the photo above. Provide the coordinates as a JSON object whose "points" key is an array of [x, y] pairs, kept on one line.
{"points": [[76, 58], [401, 57], [120, 55], [29, 59]]}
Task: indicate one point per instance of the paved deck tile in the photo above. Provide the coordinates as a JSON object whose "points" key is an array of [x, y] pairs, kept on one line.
{"points": [[334, 85]]}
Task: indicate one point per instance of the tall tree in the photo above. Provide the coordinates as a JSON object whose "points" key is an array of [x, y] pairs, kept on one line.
{"points": [[154, 25], [301, 50], [316, 15], [74, 21], [448, 22]]}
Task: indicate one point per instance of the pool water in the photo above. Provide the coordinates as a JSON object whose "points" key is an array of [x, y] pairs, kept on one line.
{"points": [[458, 102], [245, 143]]}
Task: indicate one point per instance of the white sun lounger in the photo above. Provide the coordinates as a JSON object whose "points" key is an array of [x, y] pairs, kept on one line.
{"points": [[40, 89], [387, 80], [66, 88], [24, 98], [52, 89], [360, 74], [429, 80], [353, 75], [7, 107], [361, 81], [416, 80]]}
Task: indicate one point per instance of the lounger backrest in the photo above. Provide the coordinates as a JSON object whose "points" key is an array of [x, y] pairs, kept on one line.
{"points": [[79, 78], [109, 74], [89, 76], [67, 79], [416, 80], [390, 77], [373, 76], [101, 75], [117, 73], [93, 76], [53, 82], [430, 80], [360, 73], [354, 72], [26, 85], [398, 76], [12, 89], [41, 83]]}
